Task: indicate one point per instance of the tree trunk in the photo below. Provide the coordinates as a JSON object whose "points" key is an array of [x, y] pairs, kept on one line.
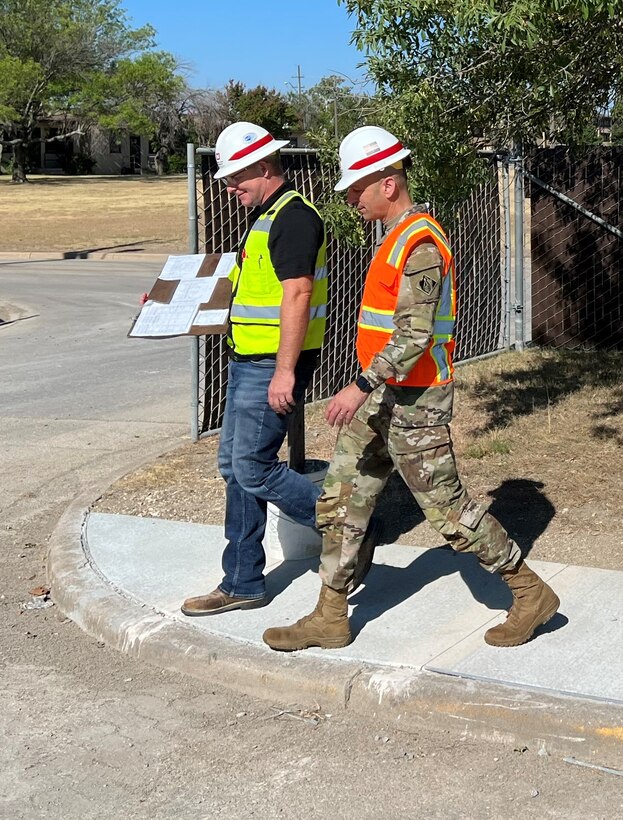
{"points": [[162, 161], [19, 162]]}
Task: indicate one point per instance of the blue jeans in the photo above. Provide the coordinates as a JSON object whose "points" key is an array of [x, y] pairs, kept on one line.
{"points": [[251, 436]]}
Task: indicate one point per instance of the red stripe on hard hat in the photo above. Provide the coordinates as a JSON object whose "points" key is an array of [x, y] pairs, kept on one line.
{"points": [[388, 152], [244, 152]]}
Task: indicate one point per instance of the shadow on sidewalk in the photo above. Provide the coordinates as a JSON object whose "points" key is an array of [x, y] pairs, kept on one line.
{"points": [[280, 577], [387, 586]]}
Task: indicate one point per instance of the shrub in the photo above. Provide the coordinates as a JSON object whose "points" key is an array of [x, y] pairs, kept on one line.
{"points": [[177, 164], [79, 164]]}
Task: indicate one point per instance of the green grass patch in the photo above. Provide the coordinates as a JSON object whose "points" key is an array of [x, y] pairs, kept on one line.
{"points": [[487, 447]]}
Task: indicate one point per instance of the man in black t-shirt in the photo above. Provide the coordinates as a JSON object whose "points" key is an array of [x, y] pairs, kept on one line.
{"points": [[276, 328]]}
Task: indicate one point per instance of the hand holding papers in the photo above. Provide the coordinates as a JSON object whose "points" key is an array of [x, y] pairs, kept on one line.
{"points": [[190, 296]]}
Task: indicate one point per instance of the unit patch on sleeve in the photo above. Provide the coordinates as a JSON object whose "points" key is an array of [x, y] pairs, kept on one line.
{"points": [[427, 284]]}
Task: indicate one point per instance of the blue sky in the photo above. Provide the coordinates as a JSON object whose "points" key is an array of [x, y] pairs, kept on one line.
{"points": [[256, 42]]}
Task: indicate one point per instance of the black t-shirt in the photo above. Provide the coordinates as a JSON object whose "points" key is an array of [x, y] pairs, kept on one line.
{"points": [[295, 238]]}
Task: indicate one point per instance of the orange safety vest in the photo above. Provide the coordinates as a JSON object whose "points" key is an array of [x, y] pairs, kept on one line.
{"points": [[380, 295]]}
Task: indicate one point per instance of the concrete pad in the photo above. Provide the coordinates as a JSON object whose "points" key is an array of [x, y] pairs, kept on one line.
{"points": [[420, 609], [580, 652]]}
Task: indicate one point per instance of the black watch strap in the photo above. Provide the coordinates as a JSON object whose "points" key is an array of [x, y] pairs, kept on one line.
{"points": [[364, 385]]}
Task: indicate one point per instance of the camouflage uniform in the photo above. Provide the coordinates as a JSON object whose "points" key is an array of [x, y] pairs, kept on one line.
{"points": [[406, 428]]}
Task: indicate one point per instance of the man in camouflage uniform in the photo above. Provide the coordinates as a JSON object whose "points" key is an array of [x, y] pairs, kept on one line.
{"points": [[386, 425]]}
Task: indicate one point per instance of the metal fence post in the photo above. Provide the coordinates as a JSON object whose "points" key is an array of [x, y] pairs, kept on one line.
{"points": [[506, 198], [193, 247], [193, 234], [519, 271]]}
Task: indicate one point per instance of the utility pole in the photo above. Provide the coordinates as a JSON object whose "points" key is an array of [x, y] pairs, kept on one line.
{"points": [[299, 91], [335, 126], [299, 78]]}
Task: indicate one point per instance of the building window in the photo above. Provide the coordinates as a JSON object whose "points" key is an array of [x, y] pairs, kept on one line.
{"points": [[114, 144]]}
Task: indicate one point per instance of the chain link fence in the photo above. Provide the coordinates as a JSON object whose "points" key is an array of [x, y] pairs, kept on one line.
{"points": [[576, 212], [477, 238]]}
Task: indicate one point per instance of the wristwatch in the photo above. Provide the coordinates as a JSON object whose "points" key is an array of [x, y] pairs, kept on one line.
{"points": [[363, 384]]}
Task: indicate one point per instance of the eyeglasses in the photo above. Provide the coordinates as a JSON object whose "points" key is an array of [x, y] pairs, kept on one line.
{"points": [[233, 180]]}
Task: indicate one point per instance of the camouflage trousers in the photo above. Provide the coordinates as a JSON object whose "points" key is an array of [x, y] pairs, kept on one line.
{"points": [[377, 441]]}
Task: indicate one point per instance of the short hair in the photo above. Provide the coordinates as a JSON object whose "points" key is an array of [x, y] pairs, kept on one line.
{"points": [[274, 160], [399, 172]]}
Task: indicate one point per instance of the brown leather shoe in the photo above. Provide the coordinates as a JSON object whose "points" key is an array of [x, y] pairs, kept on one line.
{"points": [[217, 601]]}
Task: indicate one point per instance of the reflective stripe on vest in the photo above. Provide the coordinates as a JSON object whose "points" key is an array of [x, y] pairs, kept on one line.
{"points": [[272, 313], [376, 317], [258, 293]]}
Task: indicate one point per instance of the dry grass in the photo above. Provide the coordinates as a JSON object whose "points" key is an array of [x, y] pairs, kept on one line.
{"points": [[67, 214], [538, 435]]}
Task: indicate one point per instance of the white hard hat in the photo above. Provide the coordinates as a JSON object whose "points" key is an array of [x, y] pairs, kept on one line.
{"points": [[242, 144], [366, 150]]}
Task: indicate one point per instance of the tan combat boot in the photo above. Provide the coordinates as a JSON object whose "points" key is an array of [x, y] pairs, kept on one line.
{"points": [[327, 626], [534, 604]]}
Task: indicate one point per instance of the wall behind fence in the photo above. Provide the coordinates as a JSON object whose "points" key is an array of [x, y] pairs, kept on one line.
{"points": [[477, 243], [577, 265]]}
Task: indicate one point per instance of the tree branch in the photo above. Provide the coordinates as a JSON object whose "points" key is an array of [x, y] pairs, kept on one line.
{"points": [[57, 138]]}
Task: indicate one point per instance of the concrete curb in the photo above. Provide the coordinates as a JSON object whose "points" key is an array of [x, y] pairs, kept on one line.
{"points": [[13, 313], [588, 730], [111, 256]]}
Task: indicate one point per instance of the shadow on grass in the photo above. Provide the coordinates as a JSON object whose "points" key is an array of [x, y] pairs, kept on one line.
{"points": [[614, 406], [545, 383], [519, 504], [523, 509]]}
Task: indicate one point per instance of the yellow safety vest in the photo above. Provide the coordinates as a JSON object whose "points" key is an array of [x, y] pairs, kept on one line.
{"points": [[257, 292]]}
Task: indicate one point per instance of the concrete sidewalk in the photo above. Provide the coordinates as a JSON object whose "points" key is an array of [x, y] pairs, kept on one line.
{"points": [[128, 255], [418, 655]]}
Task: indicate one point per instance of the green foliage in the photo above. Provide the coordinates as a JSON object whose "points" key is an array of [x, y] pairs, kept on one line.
{"points": [[617, 122], [78, 164], [18, 77], [260, 105], [142, 95], [450, 71], [487, 447], [332, 108], [6, 165], [178, 164], [65, 58], [342, 221]]}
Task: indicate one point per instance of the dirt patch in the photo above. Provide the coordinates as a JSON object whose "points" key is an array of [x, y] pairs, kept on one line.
{"points": [[538, 435], [117, 213]]}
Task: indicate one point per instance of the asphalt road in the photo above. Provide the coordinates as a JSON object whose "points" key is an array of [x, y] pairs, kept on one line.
{"points": [[91, 733]]}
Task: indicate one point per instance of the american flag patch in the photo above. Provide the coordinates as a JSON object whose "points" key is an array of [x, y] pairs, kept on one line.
{"points": [[371, 148]]}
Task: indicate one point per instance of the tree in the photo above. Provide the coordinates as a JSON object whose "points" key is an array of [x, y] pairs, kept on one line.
{"points": [[511, 71], [145, 95], [332, 107], [330, 110], [208, 116], [260, 105], [617, 122], [49, 51]]}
